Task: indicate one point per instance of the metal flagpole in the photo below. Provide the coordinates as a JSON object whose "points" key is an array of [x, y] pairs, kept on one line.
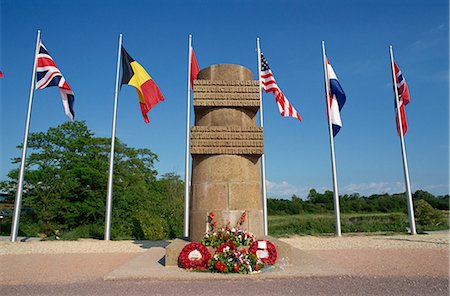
{"points": [[337, 215], [409, 201], [18, 202], [188, 133], [111, 156], [263, 159]]}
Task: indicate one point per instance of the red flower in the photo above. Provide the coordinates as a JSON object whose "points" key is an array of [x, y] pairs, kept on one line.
{"points": [[222, 246], [199, 264], [270, 249], [236, 267], [256, 267], [242, 219], [220, 266]]}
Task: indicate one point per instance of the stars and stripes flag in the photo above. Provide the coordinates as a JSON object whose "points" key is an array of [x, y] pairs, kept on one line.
{"points": [[403, 99], [336, 99], [270, 85], [48, 75]]}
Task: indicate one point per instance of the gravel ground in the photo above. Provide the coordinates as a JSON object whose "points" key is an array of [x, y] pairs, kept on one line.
{"points": [[81, 246], [437, 240]]}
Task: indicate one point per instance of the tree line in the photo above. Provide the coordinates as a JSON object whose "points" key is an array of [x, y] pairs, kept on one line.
{"points": [[353, 203]]}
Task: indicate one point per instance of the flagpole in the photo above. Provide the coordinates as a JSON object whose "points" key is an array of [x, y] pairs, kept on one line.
{"points": [[337, 218], [409, 201], [111, 155], [188, 134], [263, 159], [18, 201]]}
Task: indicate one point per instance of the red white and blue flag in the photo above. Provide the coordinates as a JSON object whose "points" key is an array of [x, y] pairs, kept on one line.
{"points": [[336, 99], [49, 75], [403, 99], [270, 85]]}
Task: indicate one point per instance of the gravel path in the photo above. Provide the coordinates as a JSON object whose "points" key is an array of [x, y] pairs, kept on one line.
{"points": [[81, 246], [438, 240], [429, 241]]}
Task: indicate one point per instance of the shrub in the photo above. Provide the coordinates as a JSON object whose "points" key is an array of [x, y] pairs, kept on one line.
{"points": [[426, 215]]}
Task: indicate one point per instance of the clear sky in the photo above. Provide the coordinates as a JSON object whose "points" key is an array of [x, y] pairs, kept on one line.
{"points": [[82, 37]]}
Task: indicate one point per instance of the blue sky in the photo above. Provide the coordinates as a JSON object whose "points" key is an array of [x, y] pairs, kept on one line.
{"points": [[82, 37]]}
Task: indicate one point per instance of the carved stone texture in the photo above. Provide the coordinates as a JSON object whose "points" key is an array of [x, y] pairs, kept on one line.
{"points": [[227, 140], [225, 82], [230, 93], [226, 146]]}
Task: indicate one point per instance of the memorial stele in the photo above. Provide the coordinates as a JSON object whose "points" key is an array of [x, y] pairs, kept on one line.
{"points": [[226, 147]]}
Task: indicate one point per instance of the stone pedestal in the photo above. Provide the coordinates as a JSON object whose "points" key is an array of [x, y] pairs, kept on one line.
{"points": [[226, 146]]}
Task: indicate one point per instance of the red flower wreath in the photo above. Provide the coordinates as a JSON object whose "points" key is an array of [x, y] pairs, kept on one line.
{"points": [[265, 251], [222, 246], [194, 256]]}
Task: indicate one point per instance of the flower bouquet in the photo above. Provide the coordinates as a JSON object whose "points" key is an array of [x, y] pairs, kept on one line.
{"points": [[226, 234], [234, 261], [227, 257]]}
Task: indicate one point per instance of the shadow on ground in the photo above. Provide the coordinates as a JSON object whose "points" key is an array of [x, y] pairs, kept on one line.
{"points": [[145, 244]]}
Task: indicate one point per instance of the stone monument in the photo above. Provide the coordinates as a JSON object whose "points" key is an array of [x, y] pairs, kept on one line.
{"points": [[226, 146]]}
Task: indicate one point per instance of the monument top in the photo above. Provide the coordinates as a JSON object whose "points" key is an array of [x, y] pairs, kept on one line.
{"points": [[225, 72]]}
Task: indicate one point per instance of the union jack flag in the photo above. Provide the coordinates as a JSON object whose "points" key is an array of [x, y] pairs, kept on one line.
{"points": [[270, 85], [403, 99], [49, 75]]}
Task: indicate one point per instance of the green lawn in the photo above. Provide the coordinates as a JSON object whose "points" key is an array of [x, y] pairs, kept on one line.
{"points": [[322, 224]]}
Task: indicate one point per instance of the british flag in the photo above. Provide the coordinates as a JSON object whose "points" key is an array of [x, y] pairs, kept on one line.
{"points": [[49, 75], [270, 85]]}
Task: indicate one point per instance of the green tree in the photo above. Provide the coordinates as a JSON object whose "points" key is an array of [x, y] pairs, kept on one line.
{"points": [[65, 185]]}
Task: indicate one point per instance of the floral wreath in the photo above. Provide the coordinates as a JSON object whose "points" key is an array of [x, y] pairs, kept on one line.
{"points": [[265, 251], [194, 256], [225, 247]]}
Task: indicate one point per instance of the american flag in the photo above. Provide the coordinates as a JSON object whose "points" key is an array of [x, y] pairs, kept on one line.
{"points": [[270, 85], [403, 98], [49, 75]]}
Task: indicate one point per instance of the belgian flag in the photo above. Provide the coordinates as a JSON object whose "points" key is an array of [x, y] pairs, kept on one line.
{"points": [[148, 92]]}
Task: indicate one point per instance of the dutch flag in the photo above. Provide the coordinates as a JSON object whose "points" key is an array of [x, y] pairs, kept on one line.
{"points": [[336, 99]]}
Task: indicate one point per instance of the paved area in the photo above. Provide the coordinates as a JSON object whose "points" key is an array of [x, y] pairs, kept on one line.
{"points": [[378, 265], [314, 286]]}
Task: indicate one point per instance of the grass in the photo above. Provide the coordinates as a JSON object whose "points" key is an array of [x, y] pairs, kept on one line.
{"points": [[322, 224]]}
